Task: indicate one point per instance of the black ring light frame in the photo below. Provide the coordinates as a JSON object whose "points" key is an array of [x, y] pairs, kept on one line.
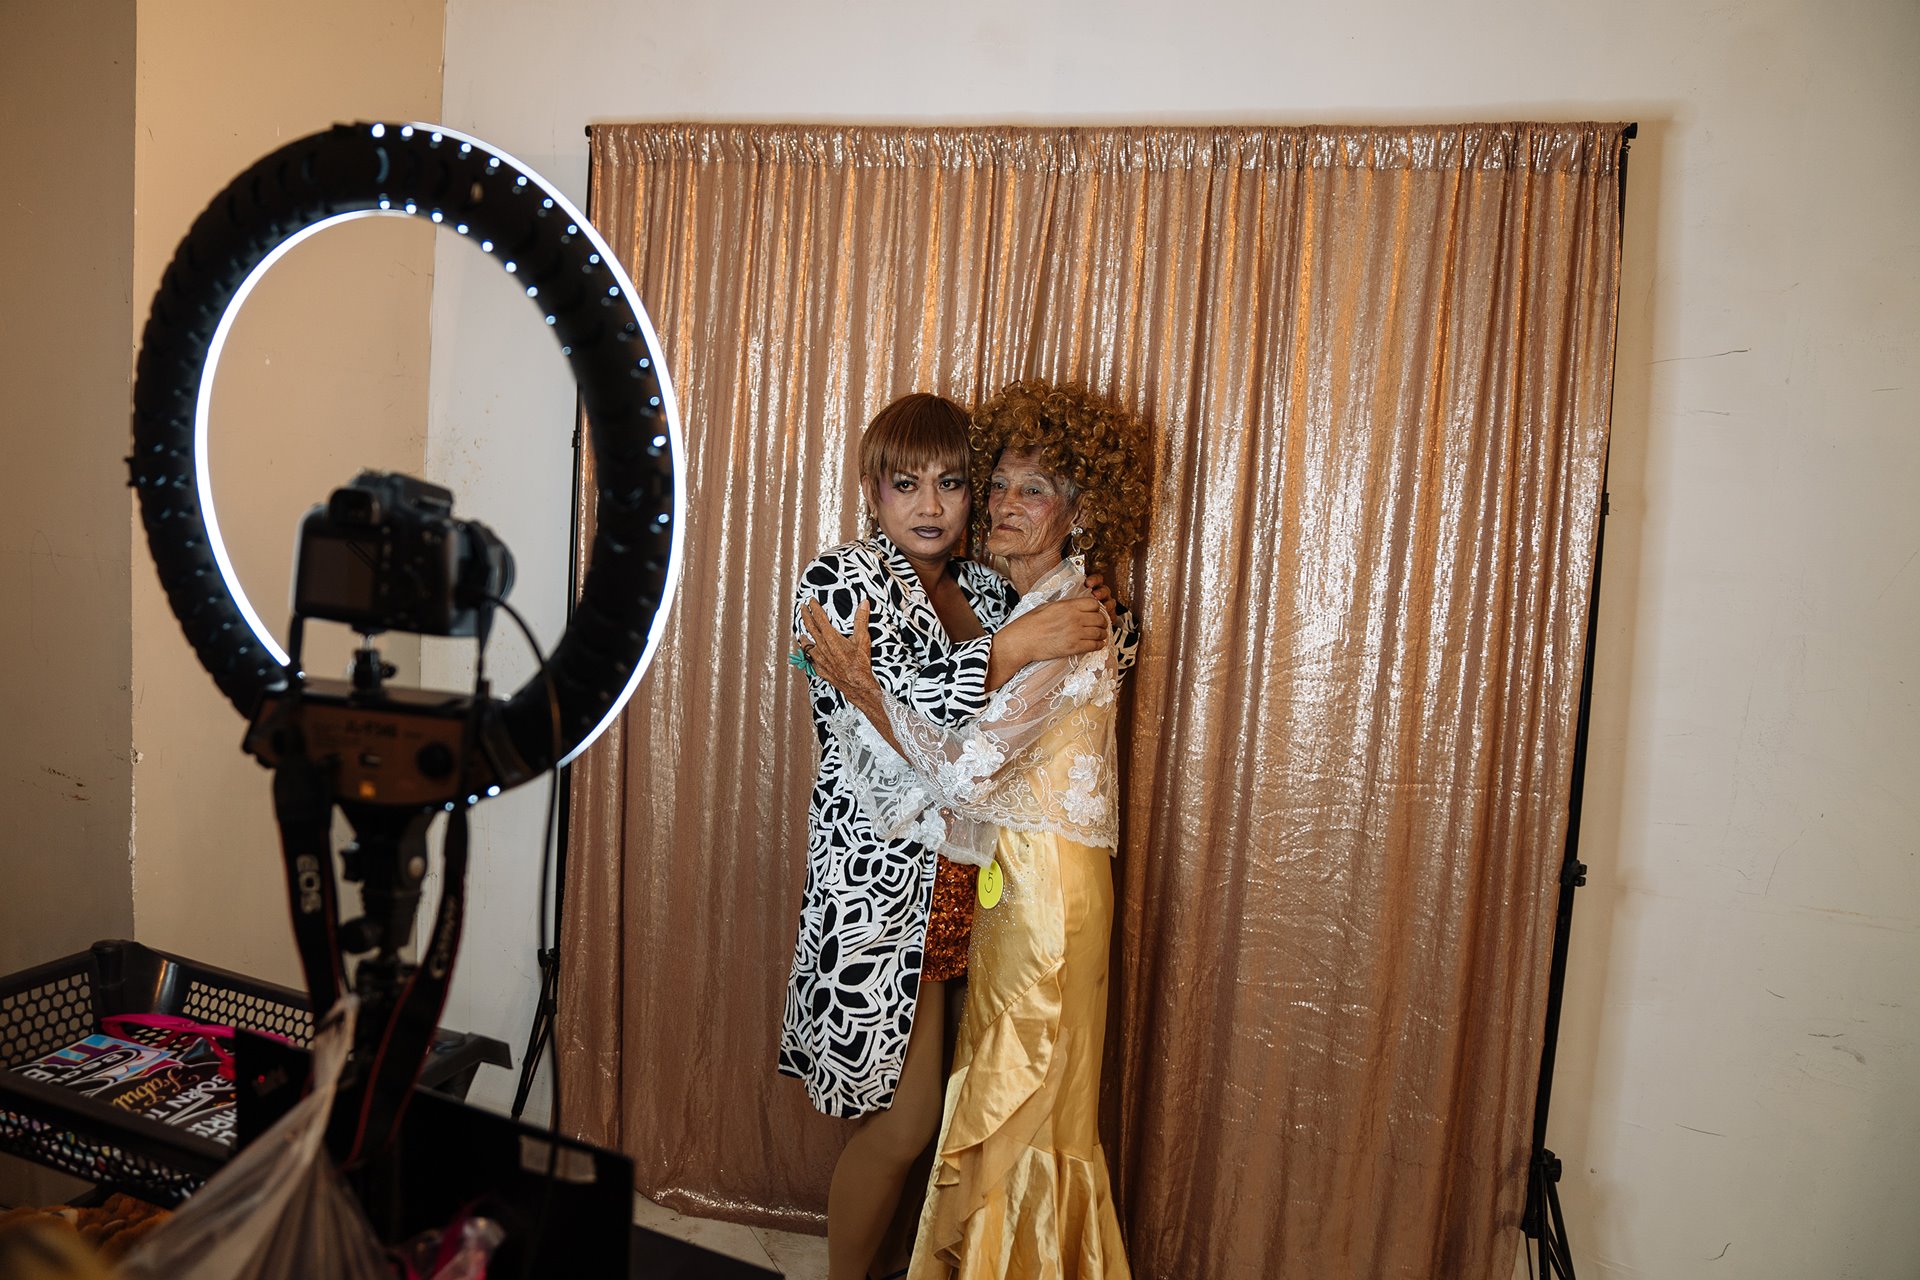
{"points": [[484, 195]]}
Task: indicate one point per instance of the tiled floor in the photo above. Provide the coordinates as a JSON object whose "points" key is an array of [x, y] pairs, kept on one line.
{"points": [[795, 1256]]}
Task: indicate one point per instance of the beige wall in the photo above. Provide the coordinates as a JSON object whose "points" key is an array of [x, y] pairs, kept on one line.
{"points": [[66, 259], [326, 373]]}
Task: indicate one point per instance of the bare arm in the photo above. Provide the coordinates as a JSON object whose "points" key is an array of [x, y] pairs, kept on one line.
{"points": [[1058, 630]]}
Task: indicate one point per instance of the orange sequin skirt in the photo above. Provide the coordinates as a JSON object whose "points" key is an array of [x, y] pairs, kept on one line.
{"points": [[950, 920]]}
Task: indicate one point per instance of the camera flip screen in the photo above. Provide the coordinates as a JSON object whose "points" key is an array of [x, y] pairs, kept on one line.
{"points": [[337, 576]]}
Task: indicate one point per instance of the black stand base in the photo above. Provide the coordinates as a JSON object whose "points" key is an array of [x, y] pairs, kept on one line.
{"points": [[1543, 1222]]}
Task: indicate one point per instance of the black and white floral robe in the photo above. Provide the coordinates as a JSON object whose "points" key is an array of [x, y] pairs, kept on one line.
{"points": [[863, 920]]}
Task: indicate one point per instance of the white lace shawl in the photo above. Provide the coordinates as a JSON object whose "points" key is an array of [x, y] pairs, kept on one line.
{"points": [[1039, 758]]}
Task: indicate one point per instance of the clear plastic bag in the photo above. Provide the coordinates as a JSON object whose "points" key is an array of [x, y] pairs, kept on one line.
{"points": [[278, 1208]]}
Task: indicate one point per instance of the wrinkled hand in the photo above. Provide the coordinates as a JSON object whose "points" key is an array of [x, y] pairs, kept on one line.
{"points": [[1058, 630], [1098, 585], [845, 662]]}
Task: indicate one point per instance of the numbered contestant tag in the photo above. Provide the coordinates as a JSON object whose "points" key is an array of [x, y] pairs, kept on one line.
{"points": [[990, 884]]}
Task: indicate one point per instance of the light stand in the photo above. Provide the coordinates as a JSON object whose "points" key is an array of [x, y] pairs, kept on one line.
{"points": [[393, 759], [546, 1007]]}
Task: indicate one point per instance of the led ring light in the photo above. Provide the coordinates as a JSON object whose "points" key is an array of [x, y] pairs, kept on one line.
{"points": [[547, 245]]}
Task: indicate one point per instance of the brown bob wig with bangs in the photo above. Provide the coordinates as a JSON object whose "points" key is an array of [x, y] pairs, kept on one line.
{"points": [[913, 433]]}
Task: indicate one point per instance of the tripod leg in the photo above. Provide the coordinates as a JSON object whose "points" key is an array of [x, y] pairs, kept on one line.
{"points": [[538, 1033], [1561, 1245]]}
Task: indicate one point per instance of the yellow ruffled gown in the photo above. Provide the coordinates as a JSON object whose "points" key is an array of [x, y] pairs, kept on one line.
{"points": [[1020, 1186]]}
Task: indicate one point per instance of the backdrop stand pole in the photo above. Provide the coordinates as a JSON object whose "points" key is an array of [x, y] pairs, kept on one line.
{"points": [[1542, 1220]]}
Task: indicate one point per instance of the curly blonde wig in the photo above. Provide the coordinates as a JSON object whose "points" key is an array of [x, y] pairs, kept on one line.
{"points": [[1099, 449]]}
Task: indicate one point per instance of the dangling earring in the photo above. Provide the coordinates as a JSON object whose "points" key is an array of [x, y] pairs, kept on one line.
{"points": [[1078, 540]]}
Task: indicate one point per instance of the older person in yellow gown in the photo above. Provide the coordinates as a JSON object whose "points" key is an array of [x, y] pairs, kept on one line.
{"points": [[1029, 792]]}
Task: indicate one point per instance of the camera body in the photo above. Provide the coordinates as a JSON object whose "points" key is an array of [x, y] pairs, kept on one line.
{"points": [[385, 554]]}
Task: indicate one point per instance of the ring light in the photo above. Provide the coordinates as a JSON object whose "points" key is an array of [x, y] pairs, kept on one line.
{"points": [[512, 213]]}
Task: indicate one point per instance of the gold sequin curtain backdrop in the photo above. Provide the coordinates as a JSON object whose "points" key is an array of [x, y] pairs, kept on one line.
{"points": [[1378, 366]]}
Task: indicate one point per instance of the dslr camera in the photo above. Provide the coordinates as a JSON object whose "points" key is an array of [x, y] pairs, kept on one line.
{"points": [[385, 554]]}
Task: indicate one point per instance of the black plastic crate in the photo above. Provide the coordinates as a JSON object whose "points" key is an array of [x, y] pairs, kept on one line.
{"points": [[55, 1004]]}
